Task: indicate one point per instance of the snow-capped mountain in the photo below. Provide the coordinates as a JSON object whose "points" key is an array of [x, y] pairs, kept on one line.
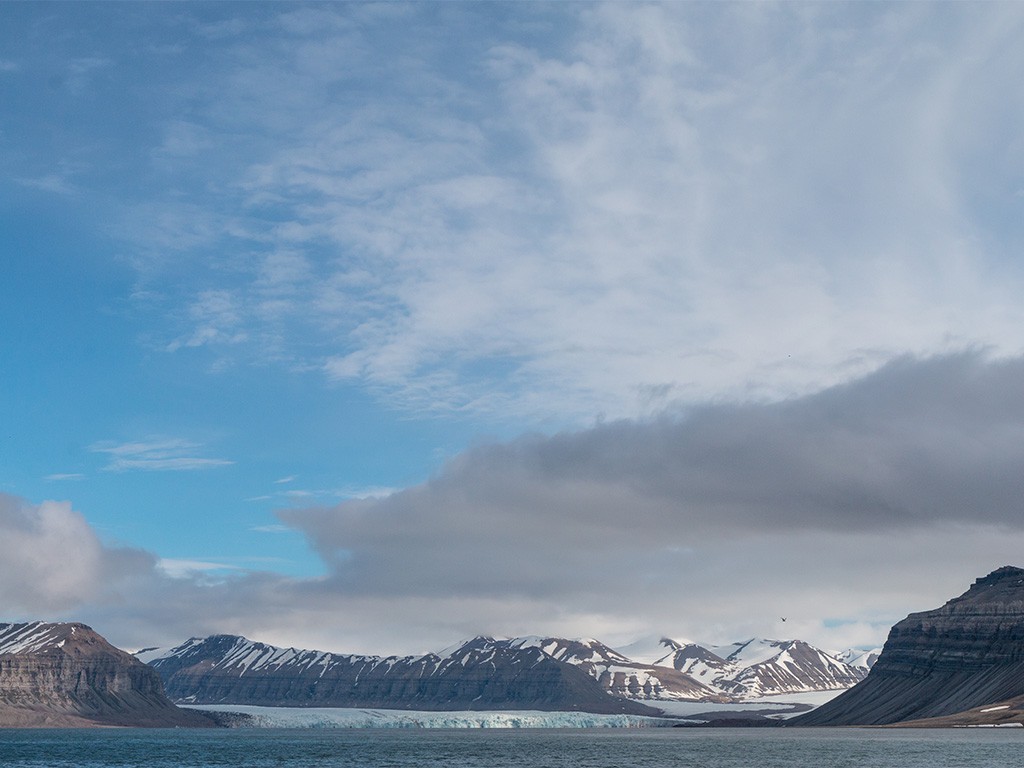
{"points": [[480, 674], [759, 667]]}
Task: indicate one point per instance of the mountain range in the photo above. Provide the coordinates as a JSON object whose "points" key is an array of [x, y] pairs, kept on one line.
{"points": [[65, 674], [484, 673], [757, 667], [959, 664]]}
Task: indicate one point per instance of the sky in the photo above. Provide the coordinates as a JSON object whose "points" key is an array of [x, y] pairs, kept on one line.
{"points": [[372, 327]]}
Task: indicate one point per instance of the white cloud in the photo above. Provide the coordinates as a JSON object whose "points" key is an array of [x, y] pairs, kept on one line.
{"points": [[162, 454], [52, 182], [178, 568], [366, 492], [668, 203], [277, 528], [51, 559], [217, 320]]}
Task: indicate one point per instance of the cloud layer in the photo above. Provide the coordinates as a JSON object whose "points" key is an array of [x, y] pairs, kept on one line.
{"points": [[728, 511], [833, 509]]}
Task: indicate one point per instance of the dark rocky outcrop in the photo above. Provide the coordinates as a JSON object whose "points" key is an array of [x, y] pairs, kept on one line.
{"points": [[967, 654], [482, 674], [66, 675]]}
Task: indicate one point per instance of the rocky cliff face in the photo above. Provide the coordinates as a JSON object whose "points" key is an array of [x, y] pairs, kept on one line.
{"points": [[482, 674], [67, 675], [968, 653]]}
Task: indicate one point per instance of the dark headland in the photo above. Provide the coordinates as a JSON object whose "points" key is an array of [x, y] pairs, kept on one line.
{"points": [[960, 664]]}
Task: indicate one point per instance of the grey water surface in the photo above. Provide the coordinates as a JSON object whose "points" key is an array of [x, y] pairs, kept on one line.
{"points": [[490, 748]]}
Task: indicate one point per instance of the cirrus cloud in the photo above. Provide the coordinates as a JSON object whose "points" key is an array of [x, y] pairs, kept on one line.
{"points": [[159, 454]]}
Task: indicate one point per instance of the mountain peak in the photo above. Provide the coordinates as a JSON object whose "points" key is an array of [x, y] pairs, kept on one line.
{"points": [[46, 636], [1002, 590], [1007, 575]]}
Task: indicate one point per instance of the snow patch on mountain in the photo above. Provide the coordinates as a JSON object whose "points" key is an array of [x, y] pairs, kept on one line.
{"points": [[34, 636], [652, 649], [859, 657]]}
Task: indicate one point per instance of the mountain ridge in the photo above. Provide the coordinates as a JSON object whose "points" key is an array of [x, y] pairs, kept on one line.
{"points": [[480, 674]]}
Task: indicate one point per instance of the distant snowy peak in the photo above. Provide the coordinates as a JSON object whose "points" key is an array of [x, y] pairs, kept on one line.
{"points": [[619, 674], [759, 667], [859, 657], [653, 649]]}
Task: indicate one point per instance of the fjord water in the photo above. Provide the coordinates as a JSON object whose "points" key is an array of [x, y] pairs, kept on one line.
{"points": [[486, 748]]}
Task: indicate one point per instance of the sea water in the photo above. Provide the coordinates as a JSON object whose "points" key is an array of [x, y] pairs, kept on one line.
{"points": [[487, 748]]}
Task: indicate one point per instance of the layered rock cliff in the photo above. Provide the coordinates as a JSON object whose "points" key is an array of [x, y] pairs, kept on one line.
{"points": [[966, 654], [67, 675]]}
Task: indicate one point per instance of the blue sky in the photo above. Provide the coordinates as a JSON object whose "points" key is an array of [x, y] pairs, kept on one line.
{"points": [[340, 309]]}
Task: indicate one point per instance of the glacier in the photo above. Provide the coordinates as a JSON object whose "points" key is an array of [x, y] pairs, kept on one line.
{"points": [[335, 717]]}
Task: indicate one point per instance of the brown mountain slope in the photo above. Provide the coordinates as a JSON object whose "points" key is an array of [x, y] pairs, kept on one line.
{"points": [[66, 675]]}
